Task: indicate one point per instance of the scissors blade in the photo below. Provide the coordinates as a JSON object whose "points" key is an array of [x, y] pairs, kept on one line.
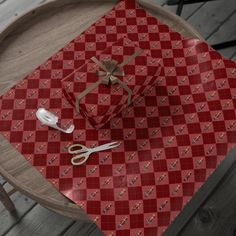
{"points": [[106, 146], [114, 144]]}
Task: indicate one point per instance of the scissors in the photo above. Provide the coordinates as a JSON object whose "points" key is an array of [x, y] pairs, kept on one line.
{"points": [[85, 152]]}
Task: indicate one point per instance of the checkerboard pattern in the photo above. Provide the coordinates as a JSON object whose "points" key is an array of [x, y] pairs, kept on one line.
{"points": [[171, 139], [105, 102]]}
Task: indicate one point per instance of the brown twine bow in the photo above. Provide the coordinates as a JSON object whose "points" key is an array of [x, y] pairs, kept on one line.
{"points": [[110, 71]]}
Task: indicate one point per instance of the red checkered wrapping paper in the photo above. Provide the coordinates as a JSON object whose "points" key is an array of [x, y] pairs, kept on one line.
{"points": [[172, 138], [105, 102]]}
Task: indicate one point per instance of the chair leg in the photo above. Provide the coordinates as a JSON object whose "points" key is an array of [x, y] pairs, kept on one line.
{"points": [[175, 2], [180, 7], [224, 44], [5, 199]]}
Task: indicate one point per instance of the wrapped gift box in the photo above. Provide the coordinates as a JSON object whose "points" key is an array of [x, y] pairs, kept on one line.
{"points": [[110, 81]]}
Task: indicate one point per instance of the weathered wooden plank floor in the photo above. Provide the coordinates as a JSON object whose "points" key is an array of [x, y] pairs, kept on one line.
{"points": [[216, 22]]}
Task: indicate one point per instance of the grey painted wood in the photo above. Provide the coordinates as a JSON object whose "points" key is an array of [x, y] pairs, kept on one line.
{"points": [[2, 180], [211, 16], [2, 1], [83, 230], [227, 31], [215, 26], [188, 9], [228, 52], [191, 9], [161, 2], [217, 216], [23, 206], [40, 221]]}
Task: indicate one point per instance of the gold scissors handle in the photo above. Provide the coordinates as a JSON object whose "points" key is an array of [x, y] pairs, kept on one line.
{"points": [[80, 159], [83, 152], [77, 148]]}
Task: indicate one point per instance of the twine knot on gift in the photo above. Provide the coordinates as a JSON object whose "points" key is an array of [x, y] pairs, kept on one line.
{"points": [[110, 70]]}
